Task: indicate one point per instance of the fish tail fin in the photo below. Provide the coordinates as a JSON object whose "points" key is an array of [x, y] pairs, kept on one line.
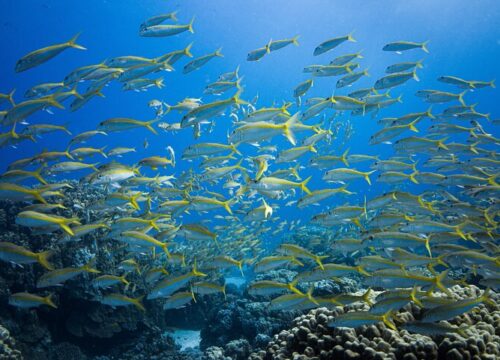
{"points": [[159, 83], [319, 259], [412, 125], [268, 46], [138, 303], [367, 177], [412, 177], [124, 280], [297, 262], [173, 16], [187, 50], [37, 194], [53, 102], [386, 319], [10, 97], [362, 270], [153, 224], [48, 301], [492, 83], [149, 127], [460, 233], [37, 174], [441, 145], [66, 228], [428, 246], [287, 128], [75, 93], [438, 282], [343, 158], [419, 64], [88, 267], [486, 298], [358, 223], [240, 266], [218, 52], [366, 297], [461, 97], [440, 261], [195, 270], [350, 37], [311, 148], [234, 148], [428, 113], [295, 40], [414, 73], [43, 259], [236, 98], [224, 291], [190, 25], [101, 151], [303, 186], [133, 201], [72, 43], [413, 297], [292, 286], [310, 297], [424, 46], [227, 206]]}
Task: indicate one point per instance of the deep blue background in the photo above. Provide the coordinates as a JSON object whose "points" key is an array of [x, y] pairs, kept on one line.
{"points": [[464, 41]]}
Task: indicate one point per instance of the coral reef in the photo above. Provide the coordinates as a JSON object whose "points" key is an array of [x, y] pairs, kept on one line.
{"points": [[243, 319], [8, 349], [311, 338]]}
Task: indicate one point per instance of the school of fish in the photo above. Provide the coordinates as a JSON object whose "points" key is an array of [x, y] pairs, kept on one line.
{"points": [[438, 216]]}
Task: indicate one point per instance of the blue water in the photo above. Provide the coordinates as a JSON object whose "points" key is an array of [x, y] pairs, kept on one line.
{"points": [[464, 41]]}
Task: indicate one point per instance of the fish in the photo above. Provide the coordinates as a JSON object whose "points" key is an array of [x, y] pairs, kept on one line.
{"points": [[403, 66], [158, 19], [37, 219], [396, 79], [279, 44], [117, 300], [197, 63], [345, 174], [257, 54], [119, 151], [271, 288], [293, 301], [354, 319], [433, 329], [26, 300], [38, 57], [59, 276], [399, 46], [106, 281], [272, 262], [208, 288], [166, 30], [122, 124], [459, 307], [330, 44], [168, 286], [300, 252], [465, 84], [16, 254], [179, 300]]}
